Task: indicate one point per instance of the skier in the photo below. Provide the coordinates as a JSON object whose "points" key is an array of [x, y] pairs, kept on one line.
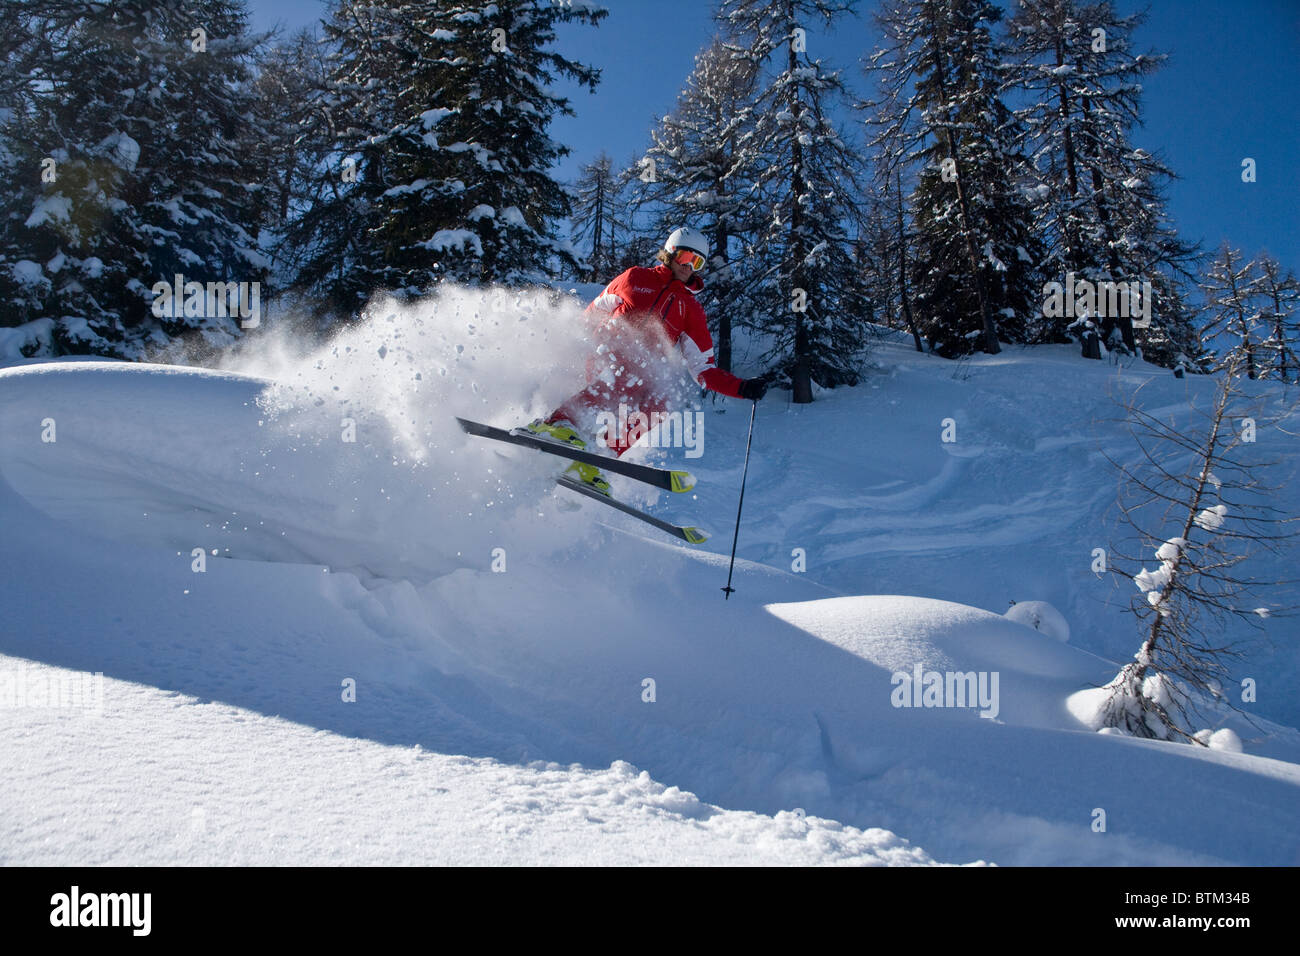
{"points": [[656, 309]]}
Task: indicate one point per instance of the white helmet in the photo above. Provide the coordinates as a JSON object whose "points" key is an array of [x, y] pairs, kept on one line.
{"points": [[688, 238]]}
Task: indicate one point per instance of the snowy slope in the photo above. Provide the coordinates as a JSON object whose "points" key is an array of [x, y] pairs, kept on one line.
{"points": [[226, 786], [504, 716], [1013, 510]]}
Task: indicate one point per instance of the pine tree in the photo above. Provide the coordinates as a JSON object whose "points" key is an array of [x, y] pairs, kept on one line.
{"points": [[892, 118], [511, 202], [597, 216], [326, 242], [700, 170], [890, 239], [23, 286], [290, 84], [138, 143], [1102, 210], [1278, 296], [440, 166], [384, 187], [808, 296], [976, 262], [1231, 315], [1175, 340]]}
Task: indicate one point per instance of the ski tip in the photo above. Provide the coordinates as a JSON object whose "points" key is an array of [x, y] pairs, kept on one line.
{"points": [[682, 480], [695, 535]]}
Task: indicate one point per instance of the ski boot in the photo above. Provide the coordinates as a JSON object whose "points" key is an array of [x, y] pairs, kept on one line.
{"points": [[563, 431], [590, 476]]}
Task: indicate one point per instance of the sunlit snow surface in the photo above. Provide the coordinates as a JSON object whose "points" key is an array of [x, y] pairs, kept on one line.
{"points": [[594, 699]]}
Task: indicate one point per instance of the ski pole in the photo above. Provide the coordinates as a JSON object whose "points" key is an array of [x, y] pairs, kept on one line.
{"points": [[734, 538]]}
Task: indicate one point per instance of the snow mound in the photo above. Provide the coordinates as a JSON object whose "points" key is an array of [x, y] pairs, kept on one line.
{"points": [[1225, 738], [1042, 617]]}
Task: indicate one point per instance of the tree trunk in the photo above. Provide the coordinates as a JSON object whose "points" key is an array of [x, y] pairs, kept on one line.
{"points": [[986, 318], [1072, 242], [721, 239], [801, 376], [902, 268], [1125, 322], [1279, 334]]}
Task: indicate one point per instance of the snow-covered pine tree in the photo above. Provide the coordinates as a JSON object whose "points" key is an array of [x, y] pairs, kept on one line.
{"points": [[808, 298], [291, 81], [1101, 210], [597, 218], [1151, 249], [324, 242], [511, 203], [975, 272], [1278, 296], [1231, 317], [23, 287], [382, 185], [700, 171], [889, 240], [138, 142], [1174, 341], [440, 167], [891, 118]]}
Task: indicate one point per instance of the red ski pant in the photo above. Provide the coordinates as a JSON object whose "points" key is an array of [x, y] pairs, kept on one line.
{"points": [[616, 416]]}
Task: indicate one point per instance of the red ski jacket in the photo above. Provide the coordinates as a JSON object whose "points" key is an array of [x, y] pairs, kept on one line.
{"points": [[639, 291]]}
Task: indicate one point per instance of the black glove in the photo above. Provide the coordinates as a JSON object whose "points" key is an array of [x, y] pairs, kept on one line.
{"points": [[753, 389]]}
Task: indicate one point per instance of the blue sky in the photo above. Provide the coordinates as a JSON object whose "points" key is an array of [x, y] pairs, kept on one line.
{"points": [[1230, 90]]}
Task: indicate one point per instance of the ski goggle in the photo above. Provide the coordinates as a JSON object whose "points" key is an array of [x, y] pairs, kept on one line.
{"points": [[689, 257]]}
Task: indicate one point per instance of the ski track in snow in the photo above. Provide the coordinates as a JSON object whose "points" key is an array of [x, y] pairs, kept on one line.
{"points": [[500, 716]]}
